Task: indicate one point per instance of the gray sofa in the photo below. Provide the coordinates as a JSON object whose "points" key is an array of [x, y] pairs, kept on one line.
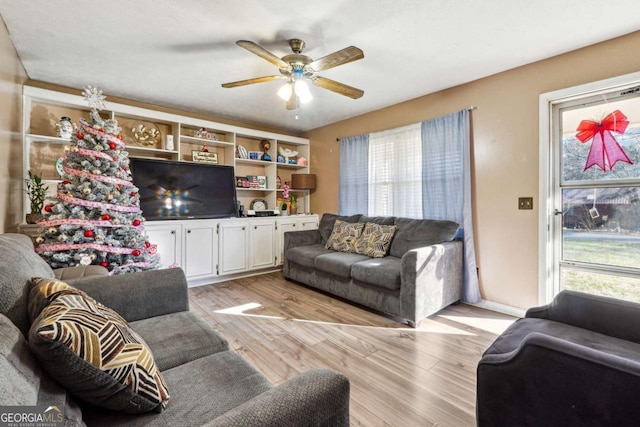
{"points": [[209, 384], [422, 273], [573, 362]]}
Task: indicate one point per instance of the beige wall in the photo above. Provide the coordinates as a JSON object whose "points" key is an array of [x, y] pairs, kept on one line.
{"points": [[12, 76], [505, 155]]}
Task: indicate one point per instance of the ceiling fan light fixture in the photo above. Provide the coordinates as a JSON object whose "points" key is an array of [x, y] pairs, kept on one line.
{"points": [[285, 91], [302, 91]]}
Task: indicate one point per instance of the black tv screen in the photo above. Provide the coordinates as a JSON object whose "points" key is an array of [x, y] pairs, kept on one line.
{"points": [[183, 190]]}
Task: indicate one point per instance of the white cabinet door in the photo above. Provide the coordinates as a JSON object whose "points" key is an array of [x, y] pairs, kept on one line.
{"points": [[284, 225], [308, 223], [262, 242], [168, 239], [233, 244], [200, 248]]}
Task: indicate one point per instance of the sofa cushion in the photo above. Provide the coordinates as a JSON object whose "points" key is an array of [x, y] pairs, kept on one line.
{"points": [[203, 390], [338, 263], [306, 255], [178, 338], [511, 339], [94, 354], [382, 272], [416, 233], [328, 220], [344, 236], [19, 264], [375, 240], [383, 220]]}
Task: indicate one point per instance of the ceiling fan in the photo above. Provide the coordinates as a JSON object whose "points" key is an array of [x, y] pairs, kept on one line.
{"points": [[297, 68]]}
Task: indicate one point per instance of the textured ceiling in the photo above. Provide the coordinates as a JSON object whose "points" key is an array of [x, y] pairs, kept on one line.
{"points": [[179, 53]]}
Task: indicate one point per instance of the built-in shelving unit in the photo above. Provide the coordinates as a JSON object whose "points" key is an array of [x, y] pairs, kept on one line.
{"points": [[43, 108]]}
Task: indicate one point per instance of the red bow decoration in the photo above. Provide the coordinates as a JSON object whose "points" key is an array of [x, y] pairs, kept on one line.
{"points": [[604, 148]]}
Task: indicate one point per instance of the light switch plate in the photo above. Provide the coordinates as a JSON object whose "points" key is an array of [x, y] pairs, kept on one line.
{"points": [[525, 202]]}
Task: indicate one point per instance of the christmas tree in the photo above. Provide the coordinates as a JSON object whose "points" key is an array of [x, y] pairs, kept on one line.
{"points": [[96, 217]]}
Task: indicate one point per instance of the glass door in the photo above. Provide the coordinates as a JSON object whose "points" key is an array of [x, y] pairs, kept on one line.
{"points": [[596, 229]]}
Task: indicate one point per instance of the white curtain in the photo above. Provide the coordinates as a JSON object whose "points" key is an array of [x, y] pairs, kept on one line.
{"points": [[354, 175], [395, 180], [446, 184]]}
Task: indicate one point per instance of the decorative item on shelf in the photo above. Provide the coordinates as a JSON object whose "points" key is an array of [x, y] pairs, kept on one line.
{"points": [[146, 135], [302, 161], [258, 205], [241, 152], [204, 157], [283, 205], [303, 181], [278, 182], [169, 143], [240, 181], [65, 128], [205, 134], [204, 148], [36, 192], [265, 144], [59, 166], [292, 162], [280, 159], [293, 209], [287, 154], [255, 155], [257, 181]]}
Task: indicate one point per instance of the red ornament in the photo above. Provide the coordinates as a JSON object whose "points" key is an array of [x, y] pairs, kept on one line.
{"points": [[133, 194], [112, 145], [119, 136], [135, 252], [48, 208], [136, 222], [65, 182], [118, 186], [88, 233], [147, 244], [80, 135], [105, 217], [104, 264]]}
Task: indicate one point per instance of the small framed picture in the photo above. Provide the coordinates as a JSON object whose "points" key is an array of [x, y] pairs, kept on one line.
{"points": [[204, 156]]}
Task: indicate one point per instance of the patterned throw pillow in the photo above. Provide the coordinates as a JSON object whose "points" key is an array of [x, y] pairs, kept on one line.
{"points": [[344, 236], [375, 240], [91, 350]]}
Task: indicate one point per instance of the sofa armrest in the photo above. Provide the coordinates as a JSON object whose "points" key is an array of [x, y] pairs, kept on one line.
{"points": [[293, 239], [319, 397], [551, 381], [608, 316], [140, 295], [431, 278]]}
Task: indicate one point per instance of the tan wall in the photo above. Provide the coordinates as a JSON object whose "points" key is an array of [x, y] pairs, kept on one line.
{"points": [[505, 155], [12, 76]]}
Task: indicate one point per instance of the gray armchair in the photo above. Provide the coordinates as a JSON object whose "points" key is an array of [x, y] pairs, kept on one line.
{"points": [[573, 362]]}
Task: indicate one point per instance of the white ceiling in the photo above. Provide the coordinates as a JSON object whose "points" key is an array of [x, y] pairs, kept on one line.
{"points": [[178, 53]]}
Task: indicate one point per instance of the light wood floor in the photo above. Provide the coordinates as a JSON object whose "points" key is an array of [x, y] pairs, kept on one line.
{"points": [[399, 376]]}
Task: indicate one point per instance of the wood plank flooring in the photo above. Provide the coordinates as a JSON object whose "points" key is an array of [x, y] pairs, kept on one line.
{"points": [[399, 376]]}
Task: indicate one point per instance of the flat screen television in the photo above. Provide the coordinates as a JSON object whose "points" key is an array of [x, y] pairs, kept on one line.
{"points": [[184, 190]]}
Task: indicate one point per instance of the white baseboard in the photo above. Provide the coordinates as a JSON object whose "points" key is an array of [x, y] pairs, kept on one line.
{"points": [[500, 308]]}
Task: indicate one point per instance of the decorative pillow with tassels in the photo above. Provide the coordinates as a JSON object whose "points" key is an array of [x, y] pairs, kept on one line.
{"points": [[91, 350]]}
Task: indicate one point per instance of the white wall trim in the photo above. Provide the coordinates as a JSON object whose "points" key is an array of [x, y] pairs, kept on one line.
{"points": [[547, 101], [500, 308]]}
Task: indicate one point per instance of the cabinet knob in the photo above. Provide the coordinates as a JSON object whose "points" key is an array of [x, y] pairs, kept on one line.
{"points": [[173, 231], [255, 227], [189, 231], [243, 228], [294, 225]]}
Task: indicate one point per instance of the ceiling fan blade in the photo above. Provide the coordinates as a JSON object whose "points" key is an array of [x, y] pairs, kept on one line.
{"points": [[344, 56], [252, 81], [263, 53], [337, 87]]}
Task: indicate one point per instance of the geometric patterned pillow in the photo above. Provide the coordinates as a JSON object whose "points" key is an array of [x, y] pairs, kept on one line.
{"points": [[92, 352], [375, 240], [42, 293], [344, 236]]}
